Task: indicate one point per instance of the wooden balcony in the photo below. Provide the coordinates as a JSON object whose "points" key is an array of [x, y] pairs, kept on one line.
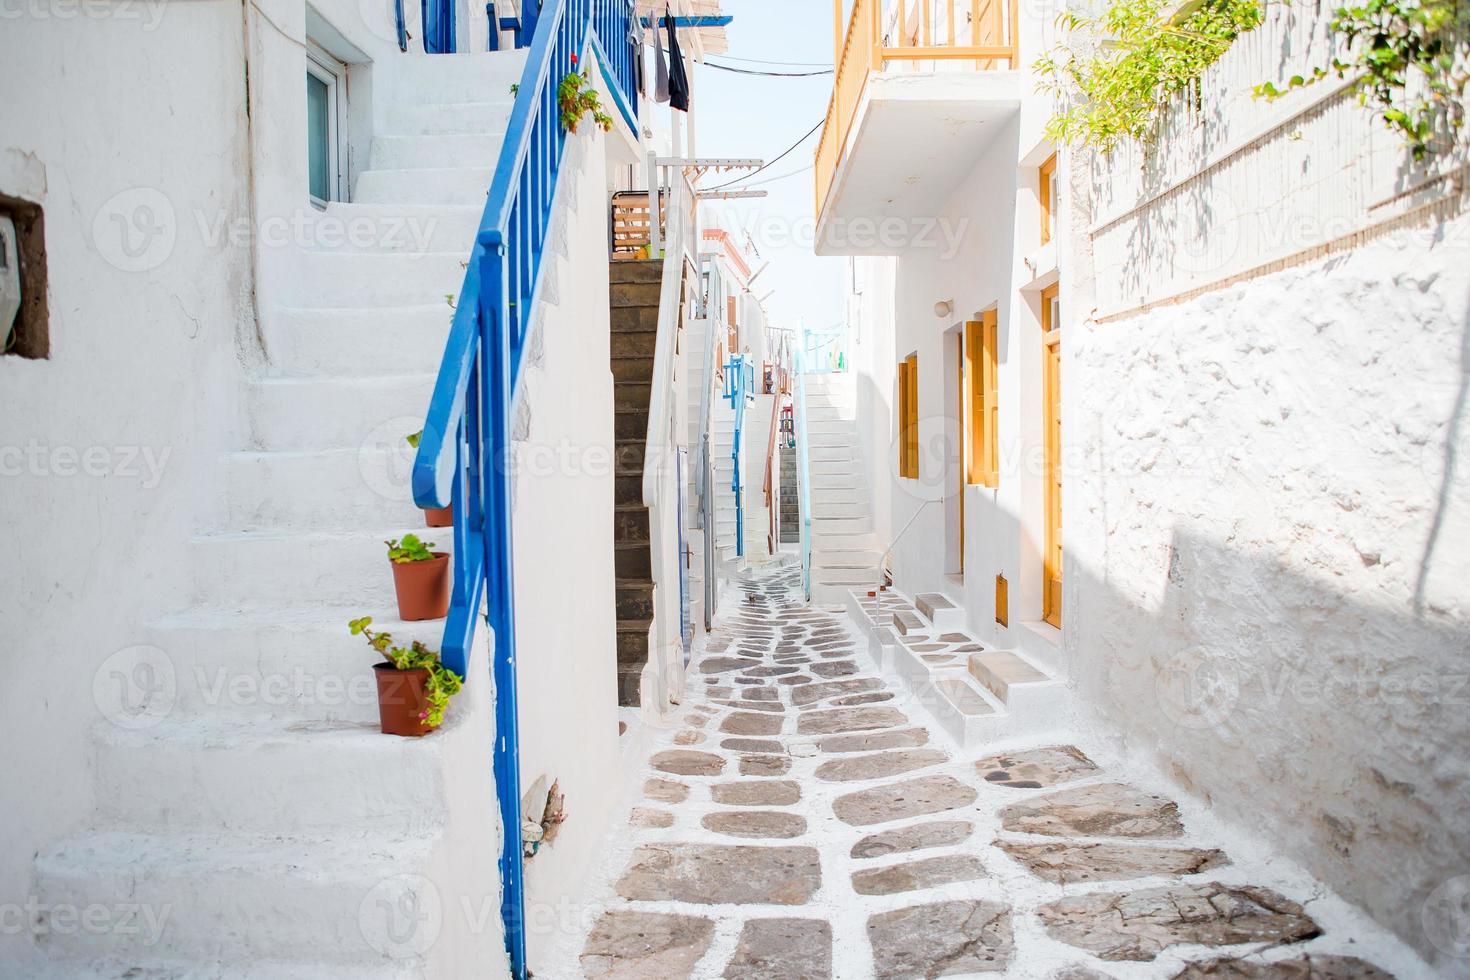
{"points": [[911, 37]]}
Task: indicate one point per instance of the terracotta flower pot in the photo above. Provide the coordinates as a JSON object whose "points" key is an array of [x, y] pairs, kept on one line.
{"points": [[439, 516], [422, 587], [403, 705]]}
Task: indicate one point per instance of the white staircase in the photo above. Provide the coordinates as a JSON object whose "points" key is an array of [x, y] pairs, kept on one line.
{"points": [[845, 549], [975, 693], [254, 805]]}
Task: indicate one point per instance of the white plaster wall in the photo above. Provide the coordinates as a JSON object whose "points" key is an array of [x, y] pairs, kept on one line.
{"points": [[565, 615], [1267, 559], [143, 353], [871, 332]]}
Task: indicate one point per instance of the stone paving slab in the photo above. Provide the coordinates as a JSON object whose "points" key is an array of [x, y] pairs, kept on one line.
{"points": [[1070, 862], [910, 798], [722, 874], [811, 693], [764, 765], [751, 723], [941, 939], [782, 949], [837, 720], [913, 875], [645, 945], [902, 840], [879, 765], [757, 792], [1036, 768], [907, 738], [665, 790], [752, 745], [766, 824], [1309, 967], [1100, 810], [1141, 924], [687, 762]]}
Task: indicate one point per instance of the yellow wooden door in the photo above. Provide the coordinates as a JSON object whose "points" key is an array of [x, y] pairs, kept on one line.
{"points": [[1051, 380]]}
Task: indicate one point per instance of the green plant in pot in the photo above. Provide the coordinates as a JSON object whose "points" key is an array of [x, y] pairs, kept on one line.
{"points": [[414, 688], [433, 516], [420, 578]]}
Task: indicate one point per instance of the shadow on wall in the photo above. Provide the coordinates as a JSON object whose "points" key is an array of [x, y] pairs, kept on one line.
{"points": [[1456, 429], [1334, 726]]}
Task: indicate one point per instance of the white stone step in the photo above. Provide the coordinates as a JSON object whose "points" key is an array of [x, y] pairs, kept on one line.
{"points": [[240, 569], [939, 609], [423, 152], [290, 778], [843, 453], [394, 228], [298, 663], [841, 525], [823, 540], [842, 479], [456, 77], [830, 509], [233, 898], [845, 576], [335, 413], [1015, 681], [839, 495], [847, 558], [339, 489], [408, 118], [359, 279], [452, 186], [833, 440], [844, 468], [370, 341]]}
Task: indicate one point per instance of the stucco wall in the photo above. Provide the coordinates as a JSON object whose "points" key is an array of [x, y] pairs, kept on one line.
{"points": [[105, 447], [1268, 507]]}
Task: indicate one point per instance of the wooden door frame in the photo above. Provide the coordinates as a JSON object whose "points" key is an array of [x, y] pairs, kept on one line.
{"points": [[1051, 440]]}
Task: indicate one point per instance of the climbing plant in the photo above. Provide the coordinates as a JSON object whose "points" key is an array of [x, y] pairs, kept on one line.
{"points": [[1114, 72], [1410, 60], [576, 97]]}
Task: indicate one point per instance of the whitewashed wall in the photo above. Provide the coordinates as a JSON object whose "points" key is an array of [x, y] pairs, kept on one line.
{"points": [[1267, 506], [106, 446]]}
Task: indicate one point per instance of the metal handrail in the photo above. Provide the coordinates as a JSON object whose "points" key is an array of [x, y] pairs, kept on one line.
{"points": [[803, 469], [739, 388], [466, 441]]}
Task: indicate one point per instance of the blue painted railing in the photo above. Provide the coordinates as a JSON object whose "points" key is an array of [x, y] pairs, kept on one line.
{"points": [[465, 449], [739, 388], [803, 469]]}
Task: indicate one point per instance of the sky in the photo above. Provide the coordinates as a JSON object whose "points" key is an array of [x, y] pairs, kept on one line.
{"points": [[752, 116]]}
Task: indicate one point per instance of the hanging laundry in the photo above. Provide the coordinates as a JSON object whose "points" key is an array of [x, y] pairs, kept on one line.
{"points": [[660, 69], [678, 80]]}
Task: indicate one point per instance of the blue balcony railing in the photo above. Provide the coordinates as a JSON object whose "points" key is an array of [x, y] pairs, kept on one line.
{"points": [[466, 442]]}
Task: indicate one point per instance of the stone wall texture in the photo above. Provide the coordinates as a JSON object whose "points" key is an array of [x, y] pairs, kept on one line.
{"points": [[1267, 584]]}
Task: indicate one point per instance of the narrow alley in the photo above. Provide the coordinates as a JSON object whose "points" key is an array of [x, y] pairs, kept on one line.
{"points": [[807, 822]]}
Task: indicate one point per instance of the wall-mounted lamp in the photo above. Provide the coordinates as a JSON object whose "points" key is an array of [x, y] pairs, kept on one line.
{"points": [[944, 308]]}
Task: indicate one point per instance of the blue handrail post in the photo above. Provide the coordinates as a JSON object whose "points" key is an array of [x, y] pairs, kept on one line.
{"points": [[495, 343]]}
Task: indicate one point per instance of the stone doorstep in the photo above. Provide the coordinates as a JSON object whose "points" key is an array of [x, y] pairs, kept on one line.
{"points": [[929, 602], [999, 671]]}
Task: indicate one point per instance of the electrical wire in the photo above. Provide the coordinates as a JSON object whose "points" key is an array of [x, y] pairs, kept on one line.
{"points": [[784, 64], [769, 163], [768, 74]]}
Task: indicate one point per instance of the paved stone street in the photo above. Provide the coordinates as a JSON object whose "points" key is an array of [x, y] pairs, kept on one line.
{"points": [[805, 822]]}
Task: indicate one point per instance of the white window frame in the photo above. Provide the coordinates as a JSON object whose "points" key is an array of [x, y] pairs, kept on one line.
{"points": [[325, 68]]}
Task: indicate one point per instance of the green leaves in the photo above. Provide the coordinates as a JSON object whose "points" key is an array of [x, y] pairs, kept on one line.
{"points": [[576, 98], [1120, 68], [409, 549], [442, 684], [414, 438]]}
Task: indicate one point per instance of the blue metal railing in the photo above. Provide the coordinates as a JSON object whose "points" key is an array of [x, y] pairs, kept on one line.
{"points": [[739, 388], [465, 449], [803, 469]]}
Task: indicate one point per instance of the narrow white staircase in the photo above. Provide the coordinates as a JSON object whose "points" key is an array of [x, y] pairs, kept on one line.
{"points": [[254, 805], [845, 549]]}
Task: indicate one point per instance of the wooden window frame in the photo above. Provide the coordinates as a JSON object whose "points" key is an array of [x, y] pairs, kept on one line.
{"points": [[982, 401], [908, 417], [1044, 175], [1051, 353]]}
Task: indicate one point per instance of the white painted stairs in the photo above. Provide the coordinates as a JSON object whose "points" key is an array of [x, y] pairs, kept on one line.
{"points": [[845, 549], [259, 810], [977, 694]]}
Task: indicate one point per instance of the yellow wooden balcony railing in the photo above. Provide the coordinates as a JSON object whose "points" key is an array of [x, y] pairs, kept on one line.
{"points": [[920, 35]]}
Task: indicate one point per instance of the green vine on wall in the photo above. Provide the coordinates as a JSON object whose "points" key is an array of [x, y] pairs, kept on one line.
{"points": [[1139, 55], [1412, 62], [576, 97]]}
